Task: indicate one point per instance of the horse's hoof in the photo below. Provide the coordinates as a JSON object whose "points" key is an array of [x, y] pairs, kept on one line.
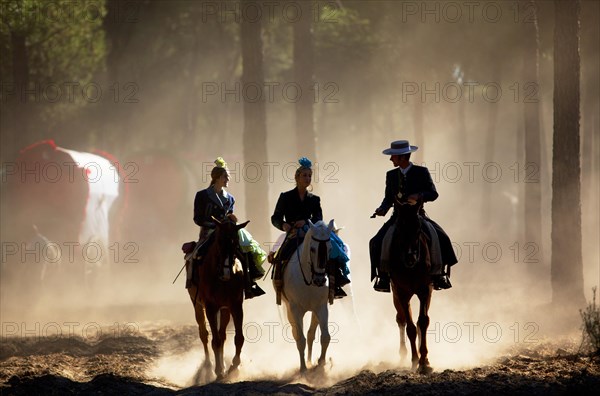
{"points": [[424, 369], [233, 370]]}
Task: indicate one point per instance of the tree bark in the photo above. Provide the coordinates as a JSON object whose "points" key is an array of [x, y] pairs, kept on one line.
{"points": [[567, 265], [21, 115], [255, 129], [533, 163], [303, 74]]}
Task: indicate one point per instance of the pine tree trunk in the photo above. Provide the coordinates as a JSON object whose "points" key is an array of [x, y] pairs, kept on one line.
{"points": [[533, 163], [303, 74], [567, 265], [21, 110], [255, 129]]}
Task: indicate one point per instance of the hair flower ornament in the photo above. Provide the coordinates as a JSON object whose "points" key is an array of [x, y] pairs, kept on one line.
{"points": [[220, 162], [305, 162]]}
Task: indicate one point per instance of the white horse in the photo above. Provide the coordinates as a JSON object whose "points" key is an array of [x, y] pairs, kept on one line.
{"points": [[306, 288]]}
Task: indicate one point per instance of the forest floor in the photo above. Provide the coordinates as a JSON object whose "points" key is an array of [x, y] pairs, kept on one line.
{"points": [[122, 365]]}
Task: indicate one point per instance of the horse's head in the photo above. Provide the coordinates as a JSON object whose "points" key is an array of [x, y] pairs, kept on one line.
{"points": [[227, 241], [316, 250], [226, 234], [407, 241]]}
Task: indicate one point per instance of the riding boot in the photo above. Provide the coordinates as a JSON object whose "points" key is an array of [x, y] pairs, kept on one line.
{"points": [[340, 279], [252, 276], [382, 284], [442, 281]]}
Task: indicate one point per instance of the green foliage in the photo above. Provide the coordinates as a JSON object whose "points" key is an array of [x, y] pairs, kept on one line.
{"points": [[343, 33], [64, 39], [591, 325]]}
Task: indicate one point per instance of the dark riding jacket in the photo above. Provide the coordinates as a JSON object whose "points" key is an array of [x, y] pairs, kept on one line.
{"points": [[208, 204], [416, 181], [290, 208]]}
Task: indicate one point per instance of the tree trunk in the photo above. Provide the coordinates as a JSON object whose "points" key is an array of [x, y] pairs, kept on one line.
{"points": [[418, 119], [532, 165], [567, 265], [21, 113], [490, 149], [255, 129], [303, 74]]}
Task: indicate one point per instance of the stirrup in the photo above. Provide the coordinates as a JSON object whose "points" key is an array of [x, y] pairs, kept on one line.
{"points": [[257, 290], [441, 282], [382, 284], [248, 294], [339, 293]]}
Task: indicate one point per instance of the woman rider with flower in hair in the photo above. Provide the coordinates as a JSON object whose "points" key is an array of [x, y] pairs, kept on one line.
{"points": [[216, 202], [293, 210]]}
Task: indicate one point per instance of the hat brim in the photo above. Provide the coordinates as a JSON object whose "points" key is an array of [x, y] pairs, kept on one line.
{"points": [[407, 150]]}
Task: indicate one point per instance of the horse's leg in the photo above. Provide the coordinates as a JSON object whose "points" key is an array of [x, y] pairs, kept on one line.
{"points": [[423, 321], [238, 320], [310, 335], [224, 318], [411, 329], [217, 345], [323, 315], [295, 316], [201, 320], [401, 321]]}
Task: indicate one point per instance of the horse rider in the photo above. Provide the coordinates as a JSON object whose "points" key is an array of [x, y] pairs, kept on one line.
{"points": [[216, 202], [413, 184], [293, 210]]}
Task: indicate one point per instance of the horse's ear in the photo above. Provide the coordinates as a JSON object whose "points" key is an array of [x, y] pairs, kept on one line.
{"points": [[330, 225], [240, 226], [215, 220]]}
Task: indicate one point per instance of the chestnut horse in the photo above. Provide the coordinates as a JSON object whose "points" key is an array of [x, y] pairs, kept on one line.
{"points": [[409, 275], [218, 286]]}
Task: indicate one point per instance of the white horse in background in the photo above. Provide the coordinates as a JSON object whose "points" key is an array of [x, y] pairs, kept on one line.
{"points": [[306, 288]]}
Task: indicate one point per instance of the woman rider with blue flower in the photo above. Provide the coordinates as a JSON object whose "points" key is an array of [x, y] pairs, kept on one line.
{"points": [[293, 210]]}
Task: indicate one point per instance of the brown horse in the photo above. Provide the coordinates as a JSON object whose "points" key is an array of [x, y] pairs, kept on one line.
{"points": [[409, 274], [218, 286]]}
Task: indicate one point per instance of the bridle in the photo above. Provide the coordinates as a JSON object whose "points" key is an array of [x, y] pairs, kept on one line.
{"points": [[322, 256]]}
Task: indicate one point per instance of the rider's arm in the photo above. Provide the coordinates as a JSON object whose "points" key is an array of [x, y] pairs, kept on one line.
{"points": [[277, 217], [428, 191], [317, 212], [388, 199], [202, 215]]}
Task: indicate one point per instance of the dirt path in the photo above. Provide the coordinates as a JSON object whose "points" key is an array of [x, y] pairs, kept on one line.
{"points": [[70, 365]]}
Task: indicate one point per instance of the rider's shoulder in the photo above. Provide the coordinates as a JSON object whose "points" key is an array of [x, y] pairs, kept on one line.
{"points": [[205, 192], [420, 168], [392, 172], [288, 193], [312, 196]]}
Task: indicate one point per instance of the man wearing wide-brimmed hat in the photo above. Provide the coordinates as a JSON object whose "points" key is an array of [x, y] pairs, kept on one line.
{"points": [[411, 184]]}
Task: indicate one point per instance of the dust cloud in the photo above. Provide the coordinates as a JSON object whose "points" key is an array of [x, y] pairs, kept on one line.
{"points": [[501, 296]]}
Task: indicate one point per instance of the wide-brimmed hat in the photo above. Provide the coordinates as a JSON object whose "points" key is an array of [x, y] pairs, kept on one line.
{"points": [[400, 147]]}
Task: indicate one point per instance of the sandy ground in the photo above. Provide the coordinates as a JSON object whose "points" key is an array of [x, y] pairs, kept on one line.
{"points": [[125, 365]]}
